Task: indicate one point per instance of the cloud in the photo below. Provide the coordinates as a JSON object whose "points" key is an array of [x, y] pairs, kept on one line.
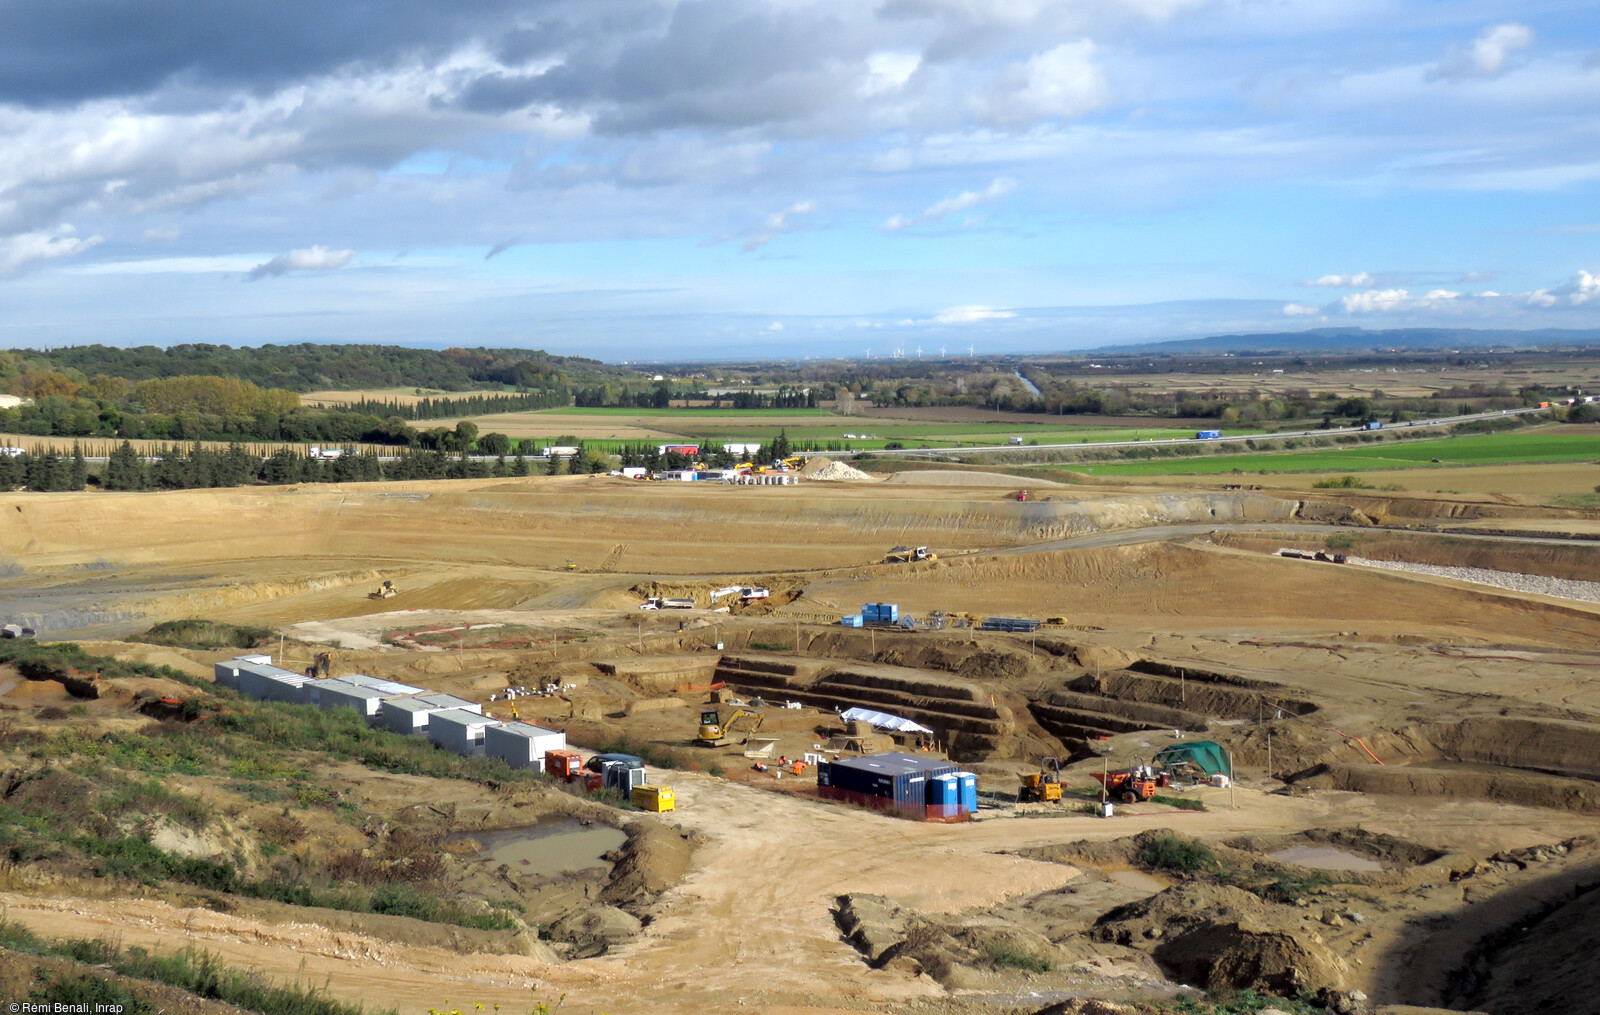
{"points": [[317, 258], [22, 249], [775, 326], [1583, 287], [776, 223], [1375, 301], [1488, 56], [1061, 83], [999, 188], [971, 313], [1300, 310], [1356, 281]]}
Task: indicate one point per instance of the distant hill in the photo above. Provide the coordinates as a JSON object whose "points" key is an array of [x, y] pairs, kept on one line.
{"points": [[308, 366], [1349, 339]]}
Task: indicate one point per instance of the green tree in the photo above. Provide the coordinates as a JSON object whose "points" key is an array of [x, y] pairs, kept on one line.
{"points": [[780, 447], [466, 433], [494, 444], [78, 471]]}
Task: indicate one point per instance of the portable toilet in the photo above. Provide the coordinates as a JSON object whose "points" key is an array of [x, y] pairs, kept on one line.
{"points": [[944, 796], [969, 792], [654, 798]]}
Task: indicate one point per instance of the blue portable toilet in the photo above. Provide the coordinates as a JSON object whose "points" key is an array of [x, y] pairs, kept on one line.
{"points": [[969, 791], [944, 796]]}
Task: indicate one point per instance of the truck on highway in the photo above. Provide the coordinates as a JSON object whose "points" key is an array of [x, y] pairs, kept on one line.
{"points": [[1374, 425], [1207, 435], [317, 452]]}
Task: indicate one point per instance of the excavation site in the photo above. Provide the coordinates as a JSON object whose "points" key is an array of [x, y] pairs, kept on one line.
{"points": [[907, 747]]}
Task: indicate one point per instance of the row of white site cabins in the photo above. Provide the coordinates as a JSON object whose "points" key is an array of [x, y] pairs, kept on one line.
{"points": [[453, 723]]}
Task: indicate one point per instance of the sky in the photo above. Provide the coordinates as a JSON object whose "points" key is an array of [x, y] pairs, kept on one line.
{"points": [[703, 179]]}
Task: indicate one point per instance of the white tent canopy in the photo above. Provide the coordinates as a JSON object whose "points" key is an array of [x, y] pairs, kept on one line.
{"points": [[883, 720]]}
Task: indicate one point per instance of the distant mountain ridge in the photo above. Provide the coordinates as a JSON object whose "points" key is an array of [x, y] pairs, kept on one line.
{"points": [[1340, 339]]}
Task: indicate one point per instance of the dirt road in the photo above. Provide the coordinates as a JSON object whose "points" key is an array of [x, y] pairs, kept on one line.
{"points": [[750, 929]]}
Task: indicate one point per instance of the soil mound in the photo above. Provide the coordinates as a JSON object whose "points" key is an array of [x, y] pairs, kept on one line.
{"points": [[823, 471], [1223, 938]]}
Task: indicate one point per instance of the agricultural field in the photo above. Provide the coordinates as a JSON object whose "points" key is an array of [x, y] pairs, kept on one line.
{"points": [[609, 428], [1543, 444]]}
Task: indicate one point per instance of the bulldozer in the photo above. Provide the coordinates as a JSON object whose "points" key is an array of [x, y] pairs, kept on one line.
{"points": [[909, 555], [1043, 785], [717, 730], [384, 591]]}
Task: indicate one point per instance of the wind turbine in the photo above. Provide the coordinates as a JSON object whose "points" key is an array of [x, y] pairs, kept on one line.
{"points": [[969, 352], [919, 352], [941, 352]]}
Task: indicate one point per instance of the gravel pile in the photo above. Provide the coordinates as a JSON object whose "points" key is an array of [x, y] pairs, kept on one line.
{"points": [[838, 472], [1562, 588]]}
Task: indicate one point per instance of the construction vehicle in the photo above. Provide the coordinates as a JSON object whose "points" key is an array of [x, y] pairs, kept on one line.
{"points": [[1043, 785], [909, 555], [570, 566], [658, 603], [719, 731], [1022, 495], [1130, 785], [384, 591]]}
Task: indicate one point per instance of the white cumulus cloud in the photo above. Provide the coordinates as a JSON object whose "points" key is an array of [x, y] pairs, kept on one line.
{"points": [[1355, 281], [1299, 310], [25, 248], [317, 258], [1375, 301], [971, 313], [1488, 56], [999, 188], [1582, 288]]}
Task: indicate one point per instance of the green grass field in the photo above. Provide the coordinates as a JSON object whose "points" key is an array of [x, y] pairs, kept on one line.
{"points": [[1545, 444]]}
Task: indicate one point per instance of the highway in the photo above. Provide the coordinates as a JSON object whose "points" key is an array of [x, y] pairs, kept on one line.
{"points": [[1160, 441]]}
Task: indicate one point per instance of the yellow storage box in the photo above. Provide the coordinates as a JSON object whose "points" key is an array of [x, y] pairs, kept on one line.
{"points": [[654, 798]]}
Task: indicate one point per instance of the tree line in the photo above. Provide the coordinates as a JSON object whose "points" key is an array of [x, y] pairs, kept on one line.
{"points": [[443, 407], [308, 366], [181, 467]]}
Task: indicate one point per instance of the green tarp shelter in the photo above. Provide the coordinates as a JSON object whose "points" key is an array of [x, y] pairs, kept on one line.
{"points": [[1205, 754]]}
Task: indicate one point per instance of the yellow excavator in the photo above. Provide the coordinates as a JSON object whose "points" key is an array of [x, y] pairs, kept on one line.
{"points": [[1043, 785], [384, 591], [717, 730], [570, 566]]}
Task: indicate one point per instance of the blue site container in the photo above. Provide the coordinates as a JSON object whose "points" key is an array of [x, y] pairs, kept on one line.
{"points": [[902, 778], [869, 611], [969, 792], [851, 621]]}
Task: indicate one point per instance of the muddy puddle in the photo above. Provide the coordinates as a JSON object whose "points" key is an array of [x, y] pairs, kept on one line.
{"points": [[1134, 879], [1326, 858], [549, 848]]}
